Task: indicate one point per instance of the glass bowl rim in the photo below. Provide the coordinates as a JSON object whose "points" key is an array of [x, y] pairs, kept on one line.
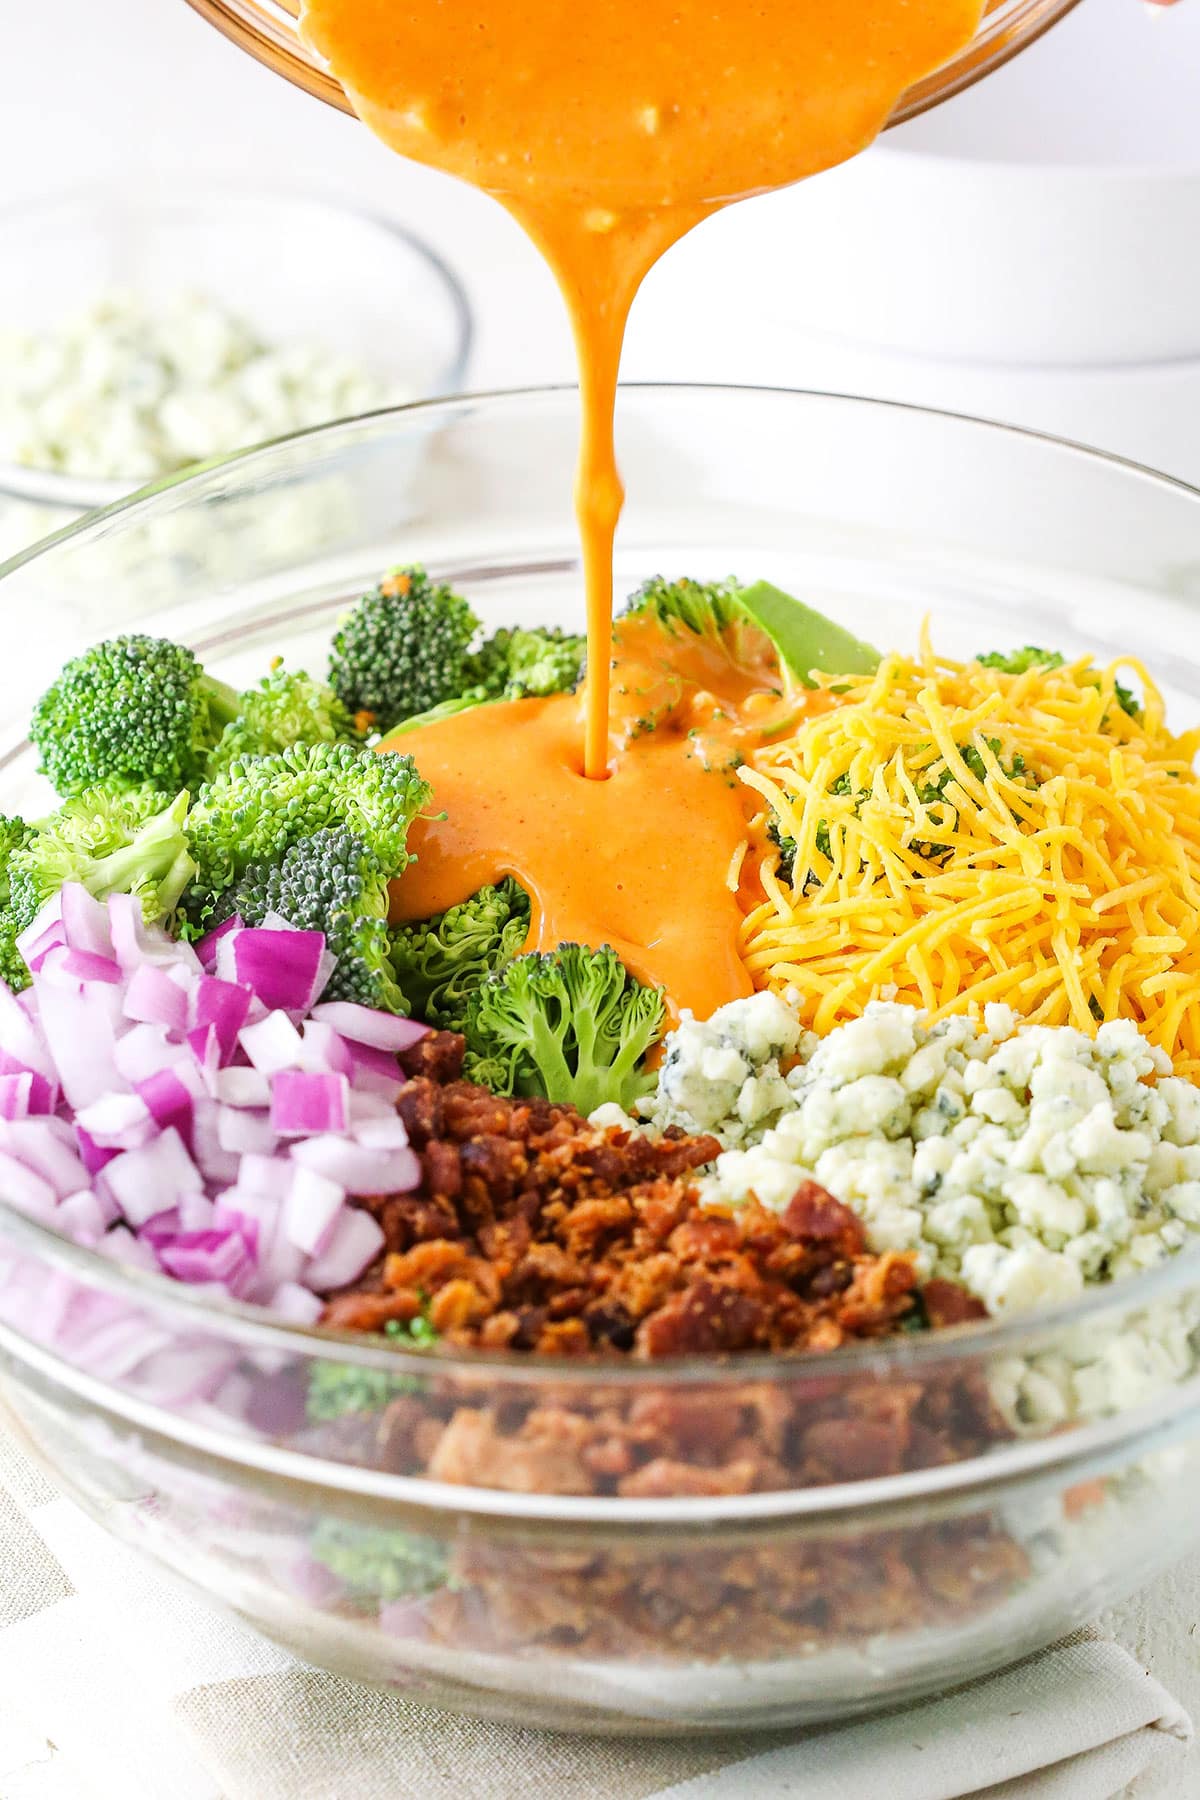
{"points": [[276, 42], [150, 199], [1068, 1457], [250, 1324]]}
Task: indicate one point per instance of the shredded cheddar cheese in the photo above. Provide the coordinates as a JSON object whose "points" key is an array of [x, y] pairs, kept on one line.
{"points": [[963, 835]]}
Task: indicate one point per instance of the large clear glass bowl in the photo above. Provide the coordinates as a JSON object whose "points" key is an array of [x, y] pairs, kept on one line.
{"points": [[448, 1538]]}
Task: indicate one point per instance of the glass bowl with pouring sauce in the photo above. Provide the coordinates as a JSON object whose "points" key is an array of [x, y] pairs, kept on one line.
{"points": [[292, 1475], [267, 30]]}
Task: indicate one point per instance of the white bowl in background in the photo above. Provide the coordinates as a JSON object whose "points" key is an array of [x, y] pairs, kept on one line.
{"points": [[1051, 215]]}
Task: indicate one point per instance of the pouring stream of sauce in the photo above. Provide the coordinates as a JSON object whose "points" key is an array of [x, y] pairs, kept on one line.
{"points": [[608, 130]]}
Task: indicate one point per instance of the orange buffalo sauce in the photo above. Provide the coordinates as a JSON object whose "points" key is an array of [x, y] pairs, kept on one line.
{"points": [[608, 129], [611, 127], [640, 860]]}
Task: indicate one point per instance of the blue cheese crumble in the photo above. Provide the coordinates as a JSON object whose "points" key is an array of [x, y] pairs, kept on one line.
{"points": [[1025, 1161], [1028, 1162], [129, 389]]}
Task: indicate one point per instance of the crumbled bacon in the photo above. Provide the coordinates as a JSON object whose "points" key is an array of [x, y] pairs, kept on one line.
{"points": [[560, 1237], [534, 1231]]}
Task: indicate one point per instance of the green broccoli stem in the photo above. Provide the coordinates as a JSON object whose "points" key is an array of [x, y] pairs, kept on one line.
{"points": [[157, 853], [224, 701]]}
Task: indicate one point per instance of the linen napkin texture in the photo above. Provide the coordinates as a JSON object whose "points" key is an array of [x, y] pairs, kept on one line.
{"points": [[115, 1680]]}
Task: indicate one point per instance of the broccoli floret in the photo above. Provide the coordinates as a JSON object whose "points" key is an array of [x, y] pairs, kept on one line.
{"points": [[125, 843], [336, 1390], [1016, 662], [786, 847], [514, 664], [14, 835], [571, 1024], [403, 648], [746, 617], [255, 811], [379, 1565], [475, 696], [520, 663], [285, 709], [704, 607], [130, 712], [441, 961], [329, 882], [1127, 700]]}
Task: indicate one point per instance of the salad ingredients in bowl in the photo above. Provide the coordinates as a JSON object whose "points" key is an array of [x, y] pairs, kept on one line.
{"points": [[706, 1327], [226, 927]]}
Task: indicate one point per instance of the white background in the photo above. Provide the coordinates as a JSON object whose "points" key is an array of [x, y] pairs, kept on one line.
{"points": [[114, 89]]}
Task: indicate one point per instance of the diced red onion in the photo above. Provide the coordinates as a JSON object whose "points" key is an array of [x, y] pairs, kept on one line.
{"points": [[43, 1090], [216, 1163], [93, 1155], [196, 1212], [27, 1191], [357, 1240], [144, 1049], [16, 1095], [243, 1087], [121, 1245], [46, 1146], [118, 1121], [154, 998], [357, 1169], [44, 933], [82, 1218], [206, 948], [126, 926], [296, 1304], [376, 1071], [151, 1180], [281, 966], [223, 1005], [205, 1046], [85, 921], [302, 1103], [311, 1211], [220, 1256], [370, 1106], [240, 1129], [381, 1134], [271, 1176], [169, 1100], [250, 1214], [134, 943], [181, 1070], [273, 1044], [186, 1373], [384, 1031], [325, 972], [79, 1035], [326, 1050], [22, 1045], [87, 967]]}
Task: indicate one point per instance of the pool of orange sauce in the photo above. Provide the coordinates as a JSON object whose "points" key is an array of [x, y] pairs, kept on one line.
{"points": [[609, 129], [640, 860]]}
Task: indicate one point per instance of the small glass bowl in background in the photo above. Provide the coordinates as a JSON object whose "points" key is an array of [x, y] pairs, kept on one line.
{"points": [[299, 271]]}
